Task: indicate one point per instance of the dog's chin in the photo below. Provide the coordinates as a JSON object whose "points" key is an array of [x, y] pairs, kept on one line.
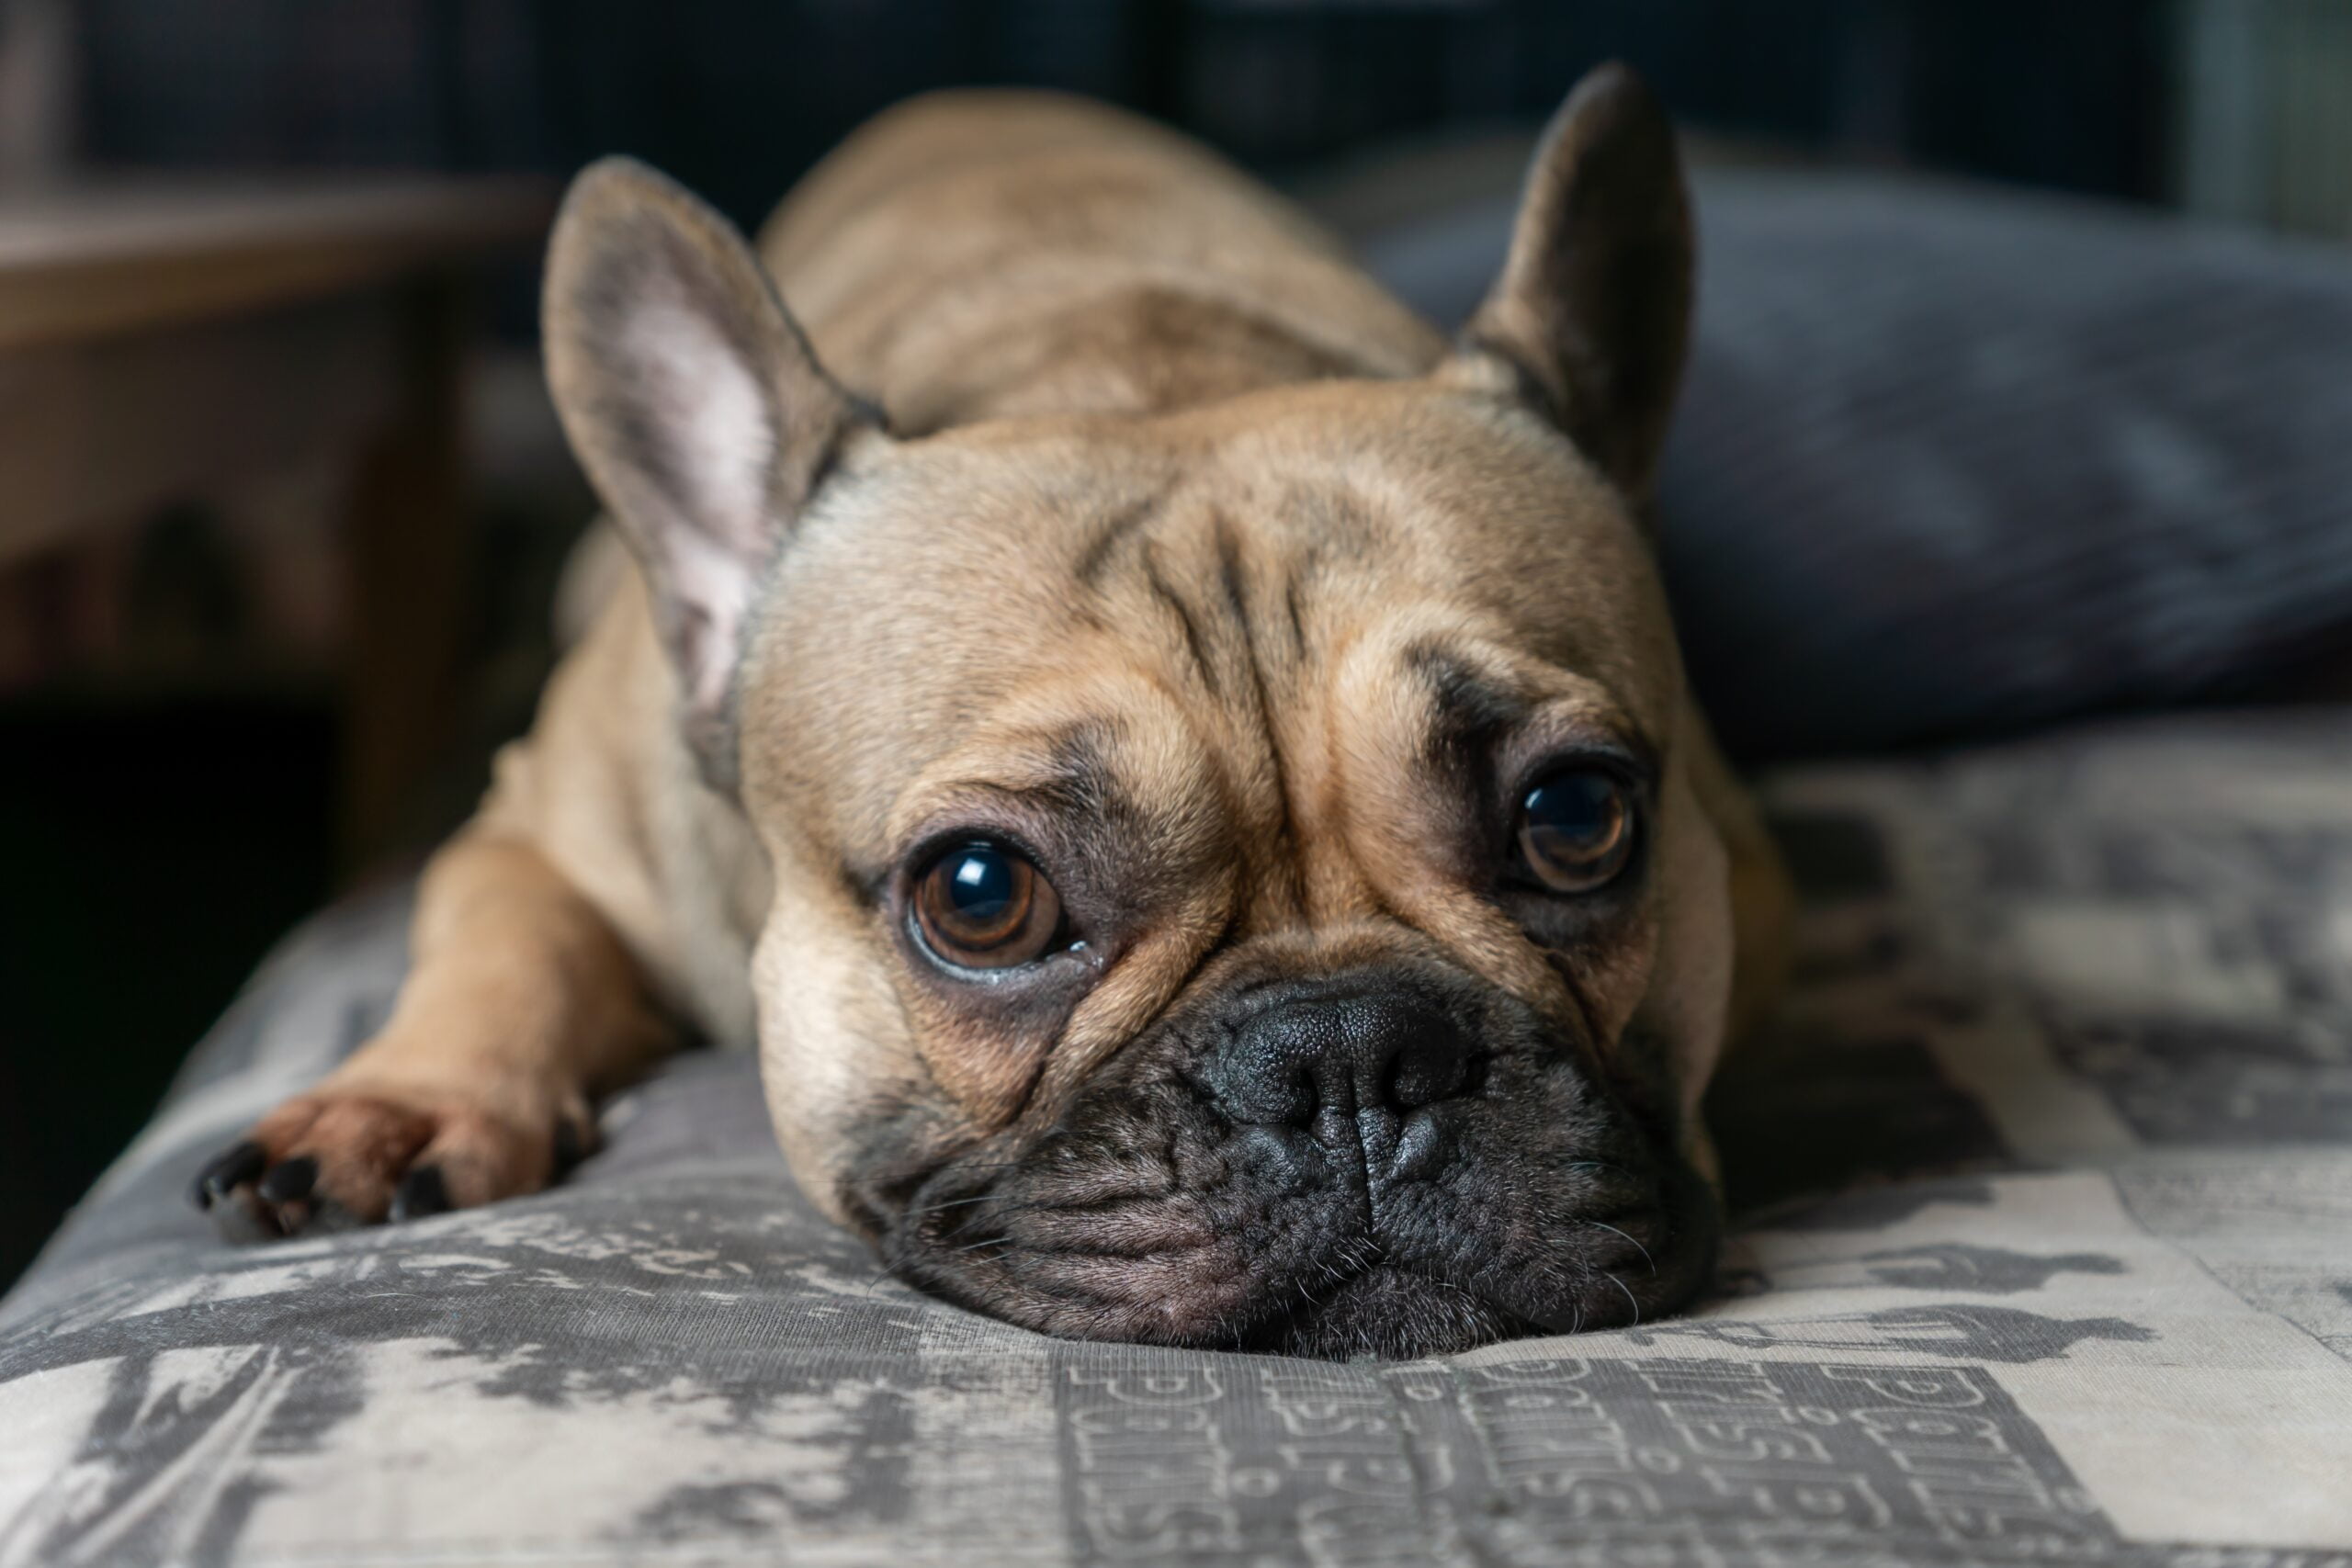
{"points": [[1388, 1313], [1151, 1278], [1390, 1308]]}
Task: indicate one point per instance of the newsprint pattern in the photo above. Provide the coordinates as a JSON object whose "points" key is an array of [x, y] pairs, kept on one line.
{"points": [[2046, 1256]]}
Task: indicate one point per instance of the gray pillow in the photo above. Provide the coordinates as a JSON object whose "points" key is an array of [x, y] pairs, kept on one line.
{"points": [[1952, 461]]}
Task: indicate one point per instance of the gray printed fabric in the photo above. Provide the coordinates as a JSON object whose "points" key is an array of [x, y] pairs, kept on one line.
{"points": [[1950, 460], [2046, 1256]]}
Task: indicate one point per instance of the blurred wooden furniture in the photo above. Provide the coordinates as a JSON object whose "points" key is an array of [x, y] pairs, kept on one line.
{"points": [[156, 344]]}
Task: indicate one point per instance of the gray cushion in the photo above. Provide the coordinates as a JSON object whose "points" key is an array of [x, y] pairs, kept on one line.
{"points": [[2047, 1254], [1953, 462]]}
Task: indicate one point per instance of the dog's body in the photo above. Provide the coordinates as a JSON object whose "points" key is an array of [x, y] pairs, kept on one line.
{"points": [[1172, 599]]}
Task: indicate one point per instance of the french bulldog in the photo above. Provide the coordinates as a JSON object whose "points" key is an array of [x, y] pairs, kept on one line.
{"points": [[1183, 774]]}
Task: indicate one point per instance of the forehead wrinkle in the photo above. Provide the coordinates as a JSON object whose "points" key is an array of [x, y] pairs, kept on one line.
{"points": [[1094, 562], [1059, 766], [1468, 707], [1288, 575], [1110, 751], [1280, 777], [1252, 590], [1478, 692], [1196, 638]]}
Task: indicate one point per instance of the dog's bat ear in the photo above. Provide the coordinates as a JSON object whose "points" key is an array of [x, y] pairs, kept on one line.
{"points": [[693, 402], [1591, 314]]}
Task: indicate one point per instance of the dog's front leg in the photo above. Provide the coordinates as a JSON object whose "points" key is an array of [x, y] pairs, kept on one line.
{"points": [[521, 1007]]}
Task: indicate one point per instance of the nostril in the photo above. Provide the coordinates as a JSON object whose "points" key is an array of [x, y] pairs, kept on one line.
{"points": [[1427, 1070], [1295, 1101], [1267, 1077], [1348, 1051], [1278, 1099]]}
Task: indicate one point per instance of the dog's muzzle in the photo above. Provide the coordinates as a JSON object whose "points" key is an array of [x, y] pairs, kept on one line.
{"points": [[1393, 1160]]}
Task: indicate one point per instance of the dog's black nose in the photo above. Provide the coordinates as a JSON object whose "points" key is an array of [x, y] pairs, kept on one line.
{"points": [[1348, 1051]]}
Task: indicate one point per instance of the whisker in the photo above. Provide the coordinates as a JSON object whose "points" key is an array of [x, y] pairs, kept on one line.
{"points": [[991, 1240], [1629, 1296], [1629, 1241], [951, 1204], [1009, 1212]]}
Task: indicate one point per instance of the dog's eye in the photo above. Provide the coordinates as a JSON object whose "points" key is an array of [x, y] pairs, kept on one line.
{"points": [[1575, 831], [982, 906]]}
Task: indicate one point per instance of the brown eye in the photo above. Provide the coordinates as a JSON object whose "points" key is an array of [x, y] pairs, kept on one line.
{"points": [[1575, 831], [985, 907]]}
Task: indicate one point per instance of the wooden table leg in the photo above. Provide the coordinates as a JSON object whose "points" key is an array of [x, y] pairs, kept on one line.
{"points": [[410, 584]]}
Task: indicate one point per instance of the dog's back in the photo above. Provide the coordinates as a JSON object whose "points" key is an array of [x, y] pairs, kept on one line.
{"points": [[980, 254]]}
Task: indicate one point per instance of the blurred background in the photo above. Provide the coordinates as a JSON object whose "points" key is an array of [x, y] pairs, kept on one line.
{"points": [[282, 506]]}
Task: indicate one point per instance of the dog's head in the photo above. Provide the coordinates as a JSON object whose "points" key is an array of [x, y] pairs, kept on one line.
{"points": [[1237, 875]]}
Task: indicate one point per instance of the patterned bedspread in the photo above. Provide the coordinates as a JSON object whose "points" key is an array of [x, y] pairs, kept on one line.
{"points": [[2046, 1256]]}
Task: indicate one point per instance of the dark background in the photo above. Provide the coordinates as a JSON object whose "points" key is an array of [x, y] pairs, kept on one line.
{"points": [[156, 835], [736, 98]]}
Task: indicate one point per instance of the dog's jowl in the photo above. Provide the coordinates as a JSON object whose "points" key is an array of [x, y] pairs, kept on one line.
{"points": [[1183, 776]]}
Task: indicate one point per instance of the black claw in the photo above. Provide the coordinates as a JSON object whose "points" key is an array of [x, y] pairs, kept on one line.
{"points": [[290, 1180], [420, 1193], [570, 1148], [229, 1172]]}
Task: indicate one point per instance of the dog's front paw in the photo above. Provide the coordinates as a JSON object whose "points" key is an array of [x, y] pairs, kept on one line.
{"points": [[338, 1157]]}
